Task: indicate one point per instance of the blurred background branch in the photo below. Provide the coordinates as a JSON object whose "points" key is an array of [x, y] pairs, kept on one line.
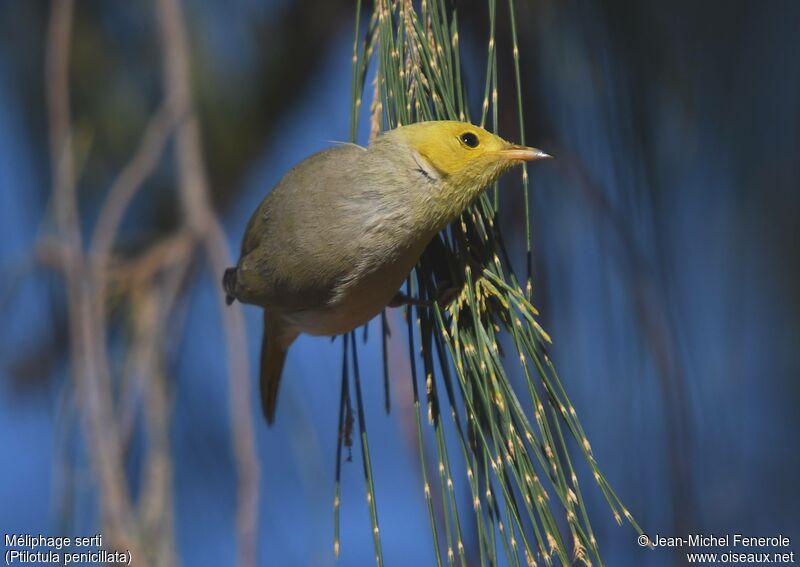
{"points": [[203, 222], [152, 283], [665, 255], [89, 369]]}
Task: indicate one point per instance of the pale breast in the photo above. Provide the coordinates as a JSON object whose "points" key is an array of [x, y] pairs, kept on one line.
{"points": [[361, 297]]}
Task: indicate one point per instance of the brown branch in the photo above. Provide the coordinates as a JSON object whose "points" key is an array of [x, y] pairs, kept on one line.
{"points": [[87, 350], [194, 193], [88, 276], [240, 408], [151, 308], [121, 194], [162, 255], [59, 37], [172, 257], [53, 253], [193, 184], [130, 181]]}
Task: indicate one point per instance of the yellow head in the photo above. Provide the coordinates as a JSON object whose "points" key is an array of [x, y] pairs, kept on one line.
{"points": [[462, 159]]}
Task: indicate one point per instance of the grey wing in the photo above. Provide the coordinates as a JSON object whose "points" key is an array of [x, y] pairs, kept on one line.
{"points": [[298, 245]]}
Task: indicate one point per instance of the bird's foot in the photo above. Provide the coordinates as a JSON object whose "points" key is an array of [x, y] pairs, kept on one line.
{"points": [[444, 296]]}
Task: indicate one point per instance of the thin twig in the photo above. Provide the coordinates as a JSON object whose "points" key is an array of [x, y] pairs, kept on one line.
{"points": [[241, 410], [176, 264], [194, 193], [89, 369], [150, 311], [161, 255], [193, 185], [131, 179], [59, 37]]}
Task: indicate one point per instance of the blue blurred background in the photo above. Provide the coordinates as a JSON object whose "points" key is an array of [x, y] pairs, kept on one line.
{"points": [[666, 249]]}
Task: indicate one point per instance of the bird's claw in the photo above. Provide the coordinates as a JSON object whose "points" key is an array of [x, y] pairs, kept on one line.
{"points": [[444, 296]]}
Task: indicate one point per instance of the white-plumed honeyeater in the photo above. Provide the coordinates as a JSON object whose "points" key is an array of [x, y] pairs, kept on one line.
{"points": [[330, 246]]}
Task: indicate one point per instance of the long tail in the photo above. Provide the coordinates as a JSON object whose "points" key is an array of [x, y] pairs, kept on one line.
{"points": [[229, 285], [274, 346]]}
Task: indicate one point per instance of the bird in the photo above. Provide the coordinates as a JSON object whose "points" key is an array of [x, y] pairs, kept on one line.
{"points": [[329, 247]]}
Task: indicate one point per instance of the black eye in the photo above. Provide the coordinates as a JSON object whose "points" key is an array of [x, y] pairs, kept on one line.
{"points": [[470, 140]]}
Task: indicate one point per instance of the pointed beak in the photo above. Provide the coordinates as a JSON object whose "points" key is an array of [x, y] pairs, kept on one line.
{"points": [[522, 153]]}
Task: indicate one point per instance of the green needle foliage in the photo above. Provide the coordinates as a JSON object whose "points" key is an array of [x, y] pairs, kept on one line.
{"points": [[526, 500]]}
